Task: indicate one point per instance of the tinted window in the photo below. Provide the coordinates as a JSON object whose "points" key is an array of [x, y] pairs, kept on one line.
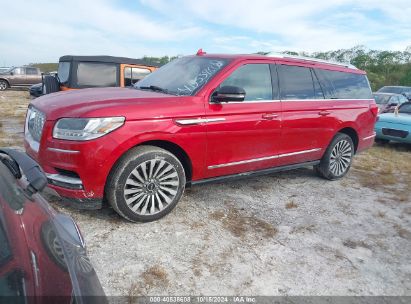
{"points": [[96, 74], [344, 85], [31, 71], [296, 83], [133, 75], [255, 79], [5, 251], [63, 71], [405, 108], [11, 285], [184, 76]]}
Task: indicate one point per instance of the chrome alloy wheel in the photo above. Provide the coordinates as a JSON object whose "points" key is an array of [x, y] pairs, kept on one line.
{"points": [[340, 158], [151, 187]]}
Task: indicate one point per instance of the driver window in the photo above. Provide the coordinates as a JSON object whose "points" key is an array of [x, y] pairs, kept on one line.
{"points": [[255, 79]]}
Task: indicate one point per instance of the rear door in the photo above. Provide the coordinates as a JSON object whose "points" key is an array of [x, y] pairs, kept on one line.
{"points": [[305, 115], [244, 136], [33, 76]]}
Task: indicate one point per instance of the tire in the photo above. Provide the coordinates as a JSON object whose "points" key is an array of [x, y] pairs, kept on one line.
{"points": [[145, 184], [3, 85], [52, 244], [337, 159], [50, 84]]}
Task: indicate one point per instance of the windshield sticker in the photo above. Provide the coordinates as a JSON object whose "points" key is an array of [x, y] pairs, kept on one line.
{"points": [[212, 67]]}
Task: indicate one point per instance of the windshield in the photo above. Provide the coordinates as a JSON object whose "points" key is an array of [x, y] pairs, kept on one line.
{"points": [[381, 99], [63, 71], [183, 76]]}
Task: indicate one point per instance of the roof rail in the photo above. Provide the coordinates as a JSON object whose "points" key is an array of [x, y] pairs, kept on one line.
{"points": [[305, 58]]}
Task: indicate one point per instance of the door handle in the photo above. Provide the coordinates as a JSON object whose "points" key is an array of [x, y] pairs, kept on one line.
{"points": [[269, 116], [324, 113]]}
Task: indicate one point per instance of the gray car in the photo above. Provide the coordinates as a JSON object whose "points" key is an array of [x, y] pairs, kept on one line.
{"points": [[19, 77]]}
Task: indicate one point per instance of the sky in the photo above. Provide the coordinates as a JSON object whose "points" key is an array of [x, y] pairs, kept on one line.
{"points": [[42, 31]]}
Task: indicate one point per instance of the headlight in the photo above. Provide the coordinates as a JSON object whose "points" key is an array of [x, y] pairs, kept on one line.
{"points": [[86, 128]]}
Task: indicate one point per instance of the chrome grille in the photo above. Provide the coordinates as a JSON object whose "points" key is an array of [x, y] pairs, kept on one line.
{"points": [[35, 123]]}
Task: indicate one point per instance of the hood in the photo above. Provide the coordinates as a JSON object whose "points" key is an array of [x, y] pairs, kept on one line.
{"points": [[404, 119], [99, 102]]}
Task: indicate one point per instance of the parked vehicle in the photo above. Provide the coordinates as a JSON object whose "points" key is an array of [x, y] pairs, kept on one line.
{"points": [[4, 69], [199, 119], [395, 126], [80, 72], [36, 90], [403, 90], [19, 77], [42, 253], [387, 102]]}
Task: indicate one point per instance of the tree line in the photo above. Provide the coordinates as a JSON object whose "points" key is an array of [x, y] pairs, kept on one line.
{"points": [[382, 67]]}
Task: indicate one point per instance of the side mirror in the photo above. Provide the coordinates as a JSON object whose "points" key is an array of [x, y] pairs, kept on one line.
{"points": [[229, 93], [11, 73]]}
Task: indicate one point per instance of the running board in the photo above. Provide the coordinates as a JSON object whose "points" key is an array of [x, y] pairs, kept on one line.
{"points": [[252, 173]]}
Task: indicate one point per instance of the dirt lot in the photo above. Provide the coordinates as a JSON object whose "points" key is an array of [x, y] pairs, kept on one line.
{"points": [[284, 234]]}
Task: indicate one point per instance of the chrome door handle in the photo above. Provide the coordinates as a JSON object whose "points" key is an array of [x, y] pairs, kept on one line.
{"points": [[324, 113], [269, 116]]}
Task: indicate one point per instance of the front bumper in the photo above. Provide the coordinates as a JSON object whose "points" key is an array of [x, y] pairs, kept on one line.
{"points": [[77, 171], [396, 132]]}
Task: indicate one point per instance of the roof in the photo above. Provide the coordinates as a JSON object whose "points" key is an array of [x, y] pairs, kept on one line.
{"points": [[386, 93], [289, 58], [108, 59]]}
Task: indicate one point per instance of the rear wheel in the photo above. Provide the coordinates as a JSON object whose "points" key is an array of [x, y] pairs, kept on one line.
{"points": [[337, 159], [146, 184], [3, 85]]}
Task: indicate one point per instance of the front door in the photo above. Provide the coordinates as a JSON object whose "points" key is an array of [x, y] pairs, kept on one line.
{"points": [[244, 136]]}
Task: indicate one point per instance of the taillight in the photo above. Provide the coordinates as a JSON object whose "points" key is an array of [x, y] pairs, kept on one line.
{"points": [[374, 109]]}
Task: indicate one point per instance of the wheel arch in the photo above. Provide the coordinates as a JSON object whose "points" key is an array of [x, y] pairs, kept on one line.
{"points": [[167, 145], [351, 132], [8, 83]]}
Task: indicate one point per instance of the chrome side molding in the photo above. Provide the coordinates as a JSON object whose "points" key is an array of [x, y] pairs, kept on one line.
{"points": [[262, 159], [197, 121]]}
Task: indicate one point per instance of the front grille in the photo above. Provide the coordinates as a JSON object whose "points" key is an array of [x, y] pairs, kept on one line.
{"points": [[395, 133], [35, 123]]}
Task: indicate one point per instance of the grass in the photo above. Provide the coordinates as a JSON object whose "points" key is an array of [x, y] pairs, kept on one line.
{"points": [[386, 167], [153, 277], [239, 224], [291, 205]]}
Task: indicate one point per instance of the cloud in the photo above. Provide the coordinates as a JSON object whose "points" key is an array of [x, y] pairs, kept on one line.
{"points": [[303, 25], [45, 30], [41, 31]]}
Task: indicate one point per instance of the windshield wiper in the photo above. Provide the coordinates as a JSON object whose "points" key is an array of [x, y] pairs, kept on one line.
{"points": [[154, 88]]}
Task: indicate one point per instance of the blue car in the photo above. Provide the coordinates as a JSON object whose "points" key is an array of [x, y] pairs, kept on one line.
{"points": [[395, 126]]}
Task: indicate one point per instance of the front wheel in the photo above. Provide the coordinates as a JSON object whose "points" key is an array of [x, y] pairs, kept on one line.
{"points": [[337, 159], [3, 85], [146, 184]]}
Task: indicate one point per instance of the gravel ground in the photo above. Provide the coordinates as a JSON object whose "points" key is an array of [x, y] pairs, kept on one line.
{"points": [[290, 233]]}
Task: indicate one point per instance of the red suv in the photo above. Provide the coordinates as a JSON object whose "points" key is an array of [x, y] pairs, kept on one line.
{"points": [[199, 119]]}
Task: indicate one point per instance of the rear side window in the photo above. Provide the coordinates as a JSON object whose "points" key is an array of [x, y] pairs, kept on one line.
{"points": [[31, 71], [255, 79], [297, 83], [92, 74], [341, 85]]}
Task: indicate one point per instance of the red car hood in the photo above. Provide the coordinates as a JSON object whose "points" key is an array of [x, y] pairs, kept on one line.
{"points": [[101, 102]]}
